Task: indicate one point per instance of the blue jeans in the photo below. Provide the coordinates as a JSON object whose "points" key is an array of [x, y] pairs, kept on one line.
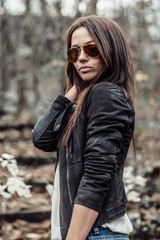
{"points": [[101, 233]]}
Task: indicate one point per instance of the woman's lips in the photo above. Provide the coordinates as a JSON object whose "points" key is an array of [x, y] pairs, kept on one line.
{"points": [[85, 69]]}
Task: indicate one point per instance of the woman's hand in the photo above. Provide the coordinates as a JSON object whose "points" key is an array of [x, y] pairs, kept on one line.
{"points": [[72, 94]]}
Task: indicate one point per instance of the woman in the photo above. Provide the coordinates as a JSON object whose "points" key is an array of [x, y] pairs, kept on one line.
{"points": [[91, 128]]}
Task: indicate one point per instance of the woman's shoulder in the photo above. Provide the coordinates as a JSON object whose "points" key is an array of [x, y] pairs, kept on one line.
{"points": [[108, 92], [106, 89]]}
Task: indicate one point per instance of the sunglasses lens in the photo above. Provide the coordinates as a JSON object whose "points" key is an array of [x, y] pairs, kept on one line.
{"points": [[73, 54], [91, 49]]}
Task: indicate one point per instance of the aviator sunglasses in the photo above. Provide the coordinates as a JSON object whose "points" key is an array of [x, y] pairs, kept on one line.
{"points": [[90, 49]]}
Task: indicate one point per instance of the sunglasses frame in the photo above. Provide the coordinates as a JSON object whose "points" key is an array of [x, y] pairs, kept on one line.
{"points": [[79, 51]]}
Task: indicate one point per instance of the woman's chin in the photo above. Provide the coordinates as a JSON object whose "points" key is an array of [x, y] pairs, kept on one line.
{"points": [[86, 78]]}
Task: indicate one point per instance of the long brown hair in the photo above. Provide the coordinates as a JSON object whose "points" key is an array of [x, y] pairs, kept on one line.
{"points": [[116, 58]]}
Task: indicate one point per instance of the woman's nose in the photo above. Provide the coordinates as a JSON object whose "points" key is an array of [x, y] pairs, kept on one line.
{"points": [[83, 56]]}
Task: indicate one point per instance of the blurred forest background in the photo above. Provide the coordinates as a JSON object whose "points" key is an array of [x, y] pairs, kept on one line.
{"points": [[32, 73]]}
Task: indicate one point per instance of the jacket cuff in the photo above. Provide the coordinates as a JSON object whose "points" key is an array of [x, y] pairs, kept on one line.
{"points": [[61, 102], [89, 199]]}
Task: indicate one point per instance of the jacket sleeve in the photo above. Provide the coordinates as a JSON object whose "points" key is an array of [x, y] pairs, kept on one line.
{"points": [[107, 119], [49, 126]]}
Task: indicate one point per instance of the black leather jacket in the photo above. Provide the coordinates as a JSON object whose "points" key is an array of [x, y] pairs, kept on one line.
{"points": [[91, 166]]}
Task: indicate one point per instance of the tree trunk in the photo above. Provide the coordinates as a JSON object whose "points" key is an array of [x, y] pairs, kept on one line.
{"points": [[27, 6], [92, 7], [4, 38]]}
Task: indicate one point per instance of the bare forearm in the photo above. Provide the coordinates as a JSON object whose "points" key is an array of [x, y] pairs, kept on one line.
{"points": [[82, 221]]}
